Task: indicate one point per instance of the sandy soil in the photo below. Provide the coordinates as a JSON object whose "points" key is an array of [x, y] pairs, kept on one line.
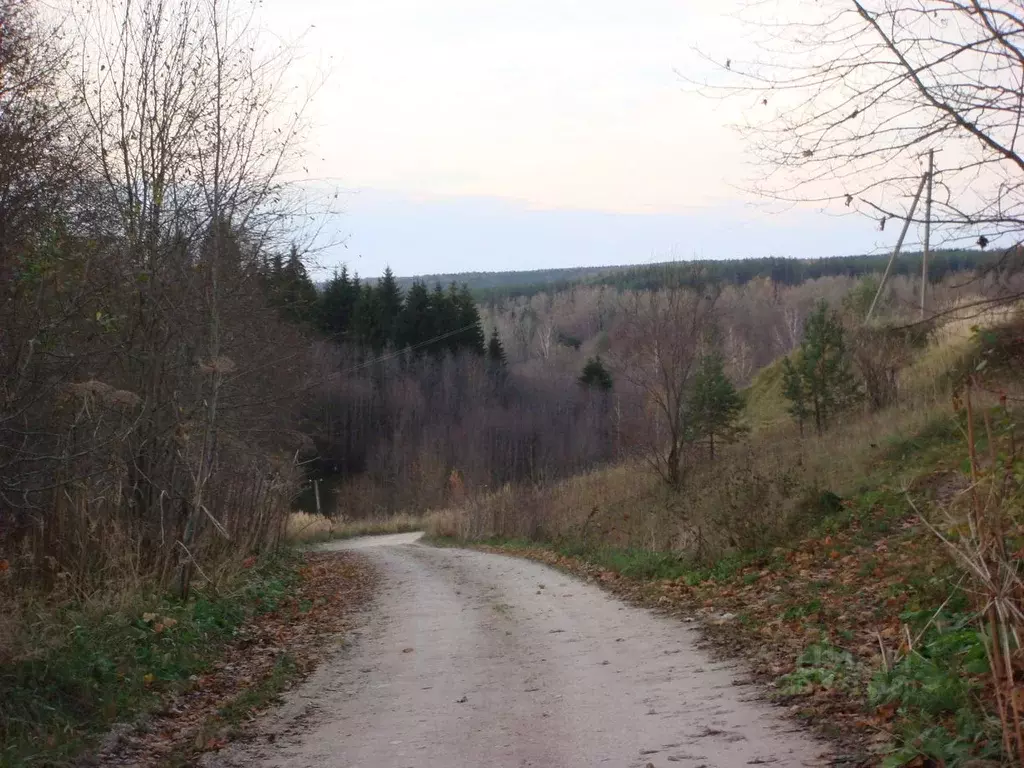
{"points": [[473, 659]]}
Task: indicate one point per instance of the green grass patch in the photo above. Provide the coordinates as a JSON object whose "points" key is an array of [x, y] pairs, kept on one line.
{"points": [[643, 564], [934, 690], [634, 563], [91, 670], [819, 666], [266, 692], [765, 405], [929, 446], [802, 610]]}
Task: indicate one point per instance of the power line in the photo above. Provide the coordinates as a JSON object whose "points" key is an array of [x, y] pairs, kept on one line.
{"points": [[410, 348], [354, 369]]}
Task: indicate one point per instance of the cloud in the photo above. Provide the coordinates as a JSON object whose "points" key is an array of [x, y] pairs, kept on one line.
{"points": [[561, 103]]}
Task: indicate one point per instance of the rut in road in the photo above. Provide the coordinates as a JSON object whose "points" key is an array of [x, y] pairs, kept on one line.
{"points": [[473, 659]]}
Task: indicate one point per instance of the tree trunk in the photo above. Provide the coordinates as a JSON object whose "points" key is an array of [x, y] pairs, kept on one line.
{"points": [[673, 474]]}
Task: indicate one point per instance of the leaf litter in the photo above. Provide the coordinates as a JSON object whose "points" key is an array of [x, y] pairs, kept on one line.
{"points": [[270, 653], [813, 621]]}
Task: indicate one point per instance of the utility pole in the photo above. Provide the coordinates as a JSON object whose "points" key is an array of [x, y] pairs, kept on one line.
{"points": [[927, 230], [899, 245]]}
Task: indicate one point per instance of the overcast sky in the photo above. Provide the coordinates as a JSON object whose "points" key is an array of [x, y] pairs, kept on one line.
{"points": [[474, 135]]}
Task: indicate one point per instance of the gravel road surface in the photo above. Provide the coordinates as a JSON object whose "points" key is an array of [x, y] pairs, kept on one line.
{"points": [[472, 659]]}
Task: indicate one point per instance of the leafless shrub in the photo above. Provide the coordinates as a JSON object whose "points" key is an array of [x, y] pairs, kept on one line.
{"points": [[879, 355], [656, 349]]}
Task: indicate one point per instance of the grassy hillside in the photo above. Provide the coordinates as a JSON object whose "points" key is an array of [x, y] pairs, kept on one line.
{"points": [[848, 568]]}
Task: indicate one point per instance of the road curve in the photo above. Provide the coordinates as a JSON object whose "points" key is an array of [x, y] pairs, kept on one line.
{"points": [[472, 659]]}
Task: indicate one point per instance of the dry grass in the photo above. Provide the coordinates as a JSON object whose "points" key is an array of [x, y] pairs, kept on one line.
{"points": [[928, 377], [764, 490], [951, 344], [758, 491], [303, 528]]}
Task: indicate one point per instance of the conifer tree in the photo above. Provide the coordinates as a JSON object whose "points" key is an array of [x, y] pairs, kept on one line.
{"points": [[470, 336], [793, 390], [715, 405], [819, 382], [291, 289], [416, 320], [495, 351], [389, 306], [596, 376], [442, 318], [366, 316], [337, 304]]}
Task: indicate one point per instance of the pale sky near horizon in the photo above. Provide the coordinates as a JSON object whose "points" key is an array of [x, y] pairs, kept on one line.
{"points": [[478, 135]]}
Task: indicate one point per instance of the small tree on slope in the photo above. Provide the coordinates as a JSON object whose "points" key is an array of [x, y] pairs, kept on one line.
{"points": [[820, 382], [715, 405], [596, 376]]}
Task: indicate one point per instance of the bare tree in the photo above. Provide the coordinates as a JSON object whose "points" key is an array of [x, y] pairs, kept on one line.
{"points": [[655, 349], [183, 125], [140, 188], [843, 99], [42, 305]]}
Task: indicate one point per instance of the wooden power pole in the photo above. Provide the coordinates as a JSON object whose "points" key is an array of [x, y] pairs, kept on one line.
{"points": [[927, 230], [899, 245]]}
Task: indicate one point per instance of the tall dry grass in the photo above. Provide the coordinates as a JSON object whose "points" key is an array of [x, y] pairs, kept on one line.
{"points": [[304, 528], [758, 491], [951, 346]]}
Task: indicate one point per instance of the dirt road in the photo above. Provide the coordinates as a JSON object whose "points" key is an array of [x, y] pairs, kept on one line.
{"points": [[472, 659]]}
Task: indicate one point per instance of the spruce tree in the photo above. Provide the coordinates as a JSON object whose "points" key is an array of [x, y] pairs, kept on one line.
{"points": [[819, 383], [497, 365], [337, 304], [366, 316], [596, 376], [293, 293], [389, 306], [416, 320], [793, 390], [495, 351], [468, 333], [715, 405], [442, 318]]}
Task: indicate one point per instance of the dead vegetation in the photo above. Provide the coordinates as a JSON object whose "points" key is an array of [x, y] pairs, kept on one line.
{"points": [[760, 489], [304, 528]]}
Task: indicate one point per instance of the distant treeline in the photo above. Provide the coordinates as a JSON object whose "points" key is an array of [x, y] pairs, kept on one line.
{"points": [[481, 281], [494, 287]]}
